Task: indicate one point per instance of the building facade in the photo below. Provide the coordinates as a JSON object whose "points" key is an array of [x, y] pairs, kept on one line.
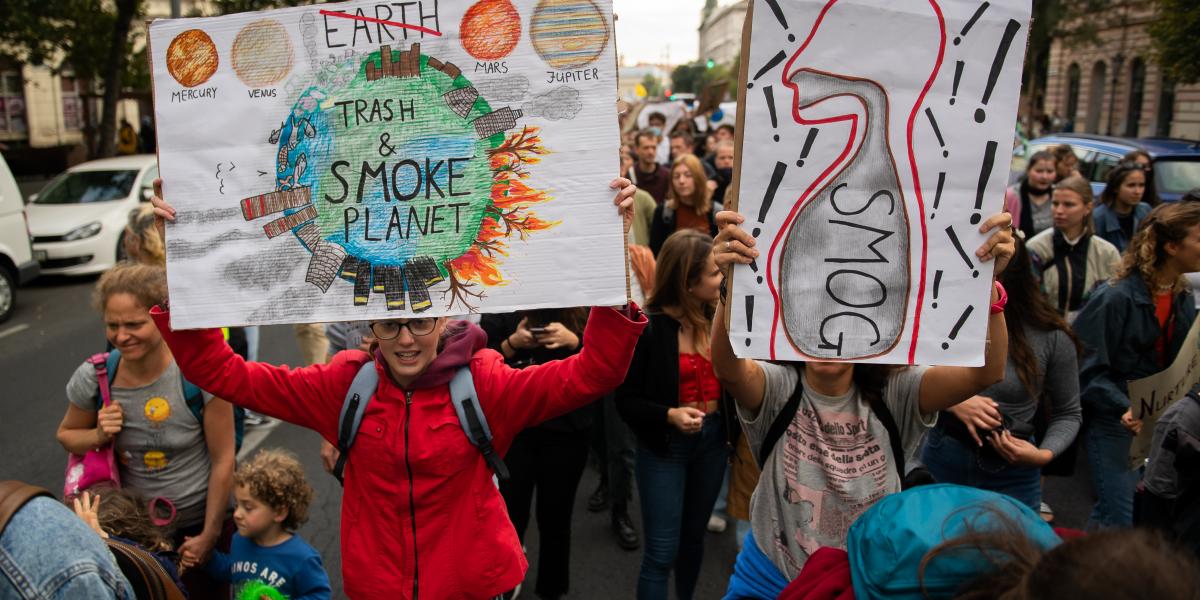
{"points": [[1114, 86], [721, 30]]}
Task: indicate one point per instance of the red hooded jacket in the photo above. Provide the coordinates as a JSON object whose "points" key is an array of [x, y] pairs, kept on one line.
{"points": [[421, 517]]}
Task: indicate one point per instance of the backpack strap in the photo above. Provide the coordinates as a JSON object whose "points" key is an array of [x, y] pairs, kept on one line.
{"points": [[358, 395], [473, 421], [106, 369], [13, 495], [879, 407], [781, 423]]}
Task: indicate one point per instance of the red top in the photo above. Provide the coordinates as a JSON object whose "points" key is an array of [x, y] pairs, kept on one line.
{"points": [[419, 509], [698, 385], [1162, 310], [686, 218]]}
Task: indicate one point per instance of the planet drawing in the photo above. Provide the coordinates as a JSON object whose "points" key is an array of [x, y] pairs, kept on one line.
{"points": [[262, 53], [568, 34], [192, 58], [490, 29]]}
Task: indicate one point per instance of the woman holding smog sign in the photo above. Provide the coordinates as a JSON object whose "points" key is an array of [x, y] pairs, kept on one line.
{"points": [[418, 496]]}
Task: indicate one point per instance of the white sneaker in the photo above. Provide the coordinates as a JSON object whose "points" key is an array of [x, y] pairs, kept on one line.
{"points": [[716, 524]]}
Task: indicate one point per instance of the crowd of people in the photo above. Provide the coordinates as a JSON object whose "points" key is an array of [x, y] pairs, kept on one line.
{"points": [[1087, 296]]}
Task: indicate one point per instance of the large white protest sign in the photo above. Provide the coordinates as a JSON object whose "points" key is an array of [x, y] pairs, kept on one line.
{"points": [[875, 139], [1150, 397], [368, 159]]}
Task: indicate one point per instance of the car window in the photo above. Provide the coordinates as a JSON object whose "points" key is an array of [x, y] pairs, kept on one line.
{"points": [[82, 187], [1099, 166], [1176, 176], [148, 182]]}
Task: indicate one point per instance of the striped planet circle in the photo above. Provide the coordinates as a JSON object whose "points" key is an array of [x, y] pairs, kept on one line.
{"points": [[568, 33]]}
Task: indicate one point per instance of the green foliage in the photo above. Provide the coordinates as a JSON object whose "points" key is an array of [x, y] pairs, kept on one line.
{"points": [[1175, 33], [653, 85], [64, 35], [696, 76], [228, 7]]}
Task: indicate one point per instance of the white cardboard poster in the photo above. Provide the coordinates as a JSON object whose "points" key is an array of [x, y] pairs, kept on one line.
{"points": [[370, 159], [1150, 397], [877, 137]]}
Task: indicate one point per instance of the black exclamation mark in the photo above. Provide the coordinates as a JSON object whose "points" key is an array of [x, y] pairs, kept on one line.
{"points": [[958, 67], [961, 252], [971, 23], [997, 64], [749, 316], [770, 94], [775, 60], [937, 132], [808, 142], [754, 263], [937, 195], [779, 16], [769, 197], [957, 326], [985, 173], [937, 286]]}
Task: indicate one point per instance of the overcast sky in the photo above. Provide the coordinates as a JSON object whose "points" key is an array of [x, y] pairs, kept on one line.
{"points": [[647, 29]]}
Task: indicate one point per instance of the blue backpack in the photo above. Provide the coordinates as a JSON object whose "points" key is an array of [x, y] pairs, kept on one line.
{"points": [[191, 394], [462, 396], [887, 542]]}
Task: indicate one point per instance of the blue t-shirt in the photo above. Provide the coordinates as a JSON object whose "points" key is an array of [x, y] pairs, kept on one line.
{"points": [[293, 567]]}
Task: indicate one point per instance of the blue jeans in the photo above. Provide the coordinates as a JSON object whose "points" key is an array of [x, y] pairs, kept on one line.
{"points": [[48, 552], [1115, 483], [677, 492], [952, 461]]}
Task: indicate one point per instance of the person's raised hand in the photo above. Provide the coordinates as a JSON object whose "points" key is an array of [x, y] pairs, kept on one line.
{"points": [[558, 336], [624, 200], [87, 508], [522, 338], [163, 211], [1001, 245], [978, 413], [686, 419], [109, 421], [733, 245]]}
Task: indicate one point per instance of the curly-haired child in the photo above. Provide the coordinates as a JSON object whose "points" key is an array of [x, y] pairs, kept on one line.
{"points": [[272, 499]]}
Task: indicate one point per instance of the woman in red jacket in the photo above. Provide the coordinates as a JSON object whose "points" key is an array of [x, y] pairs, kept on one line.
{"points": [[421, 517]]}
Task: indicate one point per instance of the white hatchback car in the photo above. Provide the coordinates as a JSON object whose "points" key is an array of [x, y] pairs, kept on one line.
{"points": [[79, 218]]}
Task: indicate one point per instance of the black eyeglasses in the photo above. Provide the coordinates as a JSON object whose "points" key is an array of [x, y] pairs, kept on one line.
{"points": [[387, 330]]}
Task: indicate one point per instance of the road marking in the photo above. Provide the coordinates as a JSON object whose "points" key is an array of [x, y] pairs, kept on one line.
{"points": [[14, 329]]}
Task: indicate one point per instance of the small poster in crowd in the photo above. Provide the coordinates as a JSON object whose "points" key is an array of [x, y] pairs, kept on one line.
{"points": [[876, 139], [366, 159], [1150, 397]]}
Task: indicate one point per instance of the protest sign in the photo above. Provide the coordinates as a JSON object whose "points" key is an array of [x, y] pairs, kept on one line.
{"points": [[874, 141], [371, 159], [1150, 397]]}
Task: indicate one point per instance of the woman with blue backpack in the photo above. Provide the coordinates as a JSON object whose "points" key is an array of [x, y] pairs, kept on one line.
{"points": [[174, 443], [833, 437], [421, 515]]}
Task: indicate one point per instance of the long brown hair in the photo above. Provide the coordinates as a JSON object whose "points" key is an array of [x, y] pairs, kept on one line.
{"points": [[701, 199], [1116, 177], [149, 244], [126, 514], [1146, 253], [680, 265], [1028, 307]]}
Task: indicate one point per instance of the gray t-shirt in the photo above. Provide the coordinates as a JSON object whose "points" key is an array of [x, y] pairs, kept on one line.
{"points": [[831, 465], [346, 335], [161, 447], [1041, 217]]}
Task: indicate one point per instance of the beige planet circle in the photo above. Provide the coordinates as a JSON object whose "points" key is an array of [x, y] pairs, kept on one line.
{"points": [[262, 53]]}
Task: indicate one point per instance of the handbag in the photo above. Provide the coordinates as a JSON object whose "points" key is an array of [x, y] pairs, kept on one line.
{"points": [[99, 465]]}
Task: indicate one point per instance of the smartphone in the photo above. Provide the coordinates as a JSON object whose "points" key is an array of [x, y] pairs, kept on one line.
{"points": [[536, 331]]}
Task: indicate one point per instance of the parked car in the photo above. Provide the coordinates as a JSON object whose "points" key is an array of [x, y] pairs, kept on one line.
{"points": [[78, 220], [16, 257], [1176, 162]]}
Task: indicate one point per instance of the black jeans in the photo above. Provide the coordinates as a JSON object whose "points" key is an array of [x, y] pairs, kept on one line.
{"points": [[615, 449], [550, 462]]}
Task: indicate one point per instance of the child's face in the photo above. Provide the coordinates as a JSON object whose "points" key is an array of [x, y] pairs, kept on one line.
{"points": [[255, 520]]}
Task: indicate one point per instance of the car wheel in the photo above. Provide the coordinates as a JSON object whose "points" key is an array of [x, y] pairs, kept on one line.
{"points": [[121, 254], [8, 294]]}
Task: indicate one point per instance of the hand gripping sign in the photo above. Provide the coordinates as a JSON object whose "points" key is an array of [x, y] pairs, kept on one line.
{"points": [[865, 167]]}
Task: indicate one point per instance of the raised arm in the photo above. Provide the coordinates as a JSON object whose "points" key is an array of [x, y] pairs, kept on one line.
{"points": [[741, 377]]}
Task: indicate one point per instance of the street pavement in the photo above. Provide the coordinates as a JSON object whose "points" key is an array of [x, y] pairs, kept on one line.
{"points": [[54, 329]]}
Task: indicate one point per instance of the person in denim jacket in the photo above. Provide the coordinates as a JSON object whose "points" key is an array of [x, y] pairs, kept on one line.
{"points": [[1133, 327]]}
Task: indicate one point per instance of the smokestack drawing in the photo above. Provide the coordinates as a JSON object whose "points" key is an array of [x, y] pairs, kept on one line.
{"points": [[496, 121], [461, 100], [325, 264]]}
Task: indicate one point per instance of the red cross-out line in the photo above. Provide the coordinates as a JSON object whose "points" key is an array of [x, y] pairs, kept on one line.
{"points": [[343, 15]]}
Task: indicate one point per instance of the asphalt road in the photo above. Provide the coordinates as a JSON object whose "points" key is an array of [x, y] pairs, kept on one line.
{"points": [[54, 329]]}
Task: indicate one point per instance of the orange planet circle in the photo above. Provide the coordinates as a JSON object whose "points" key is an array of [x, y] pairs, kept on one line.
{"points": [[490, 29], [192, 58], [262, 53]]}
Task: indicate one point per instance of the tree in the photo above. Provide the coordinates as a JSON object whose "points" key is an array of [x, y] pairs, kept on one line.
{"points": [[652, 84], [91, 39], [1175, 33], [688, 78]]}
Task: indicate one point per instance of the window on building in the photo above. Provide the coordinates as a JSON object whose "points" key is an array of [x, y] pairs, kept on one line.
{"points": [[1166, 108], [1073, 78], [72, 106], [1137, 86], [1095, 97], [12, 103]]}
